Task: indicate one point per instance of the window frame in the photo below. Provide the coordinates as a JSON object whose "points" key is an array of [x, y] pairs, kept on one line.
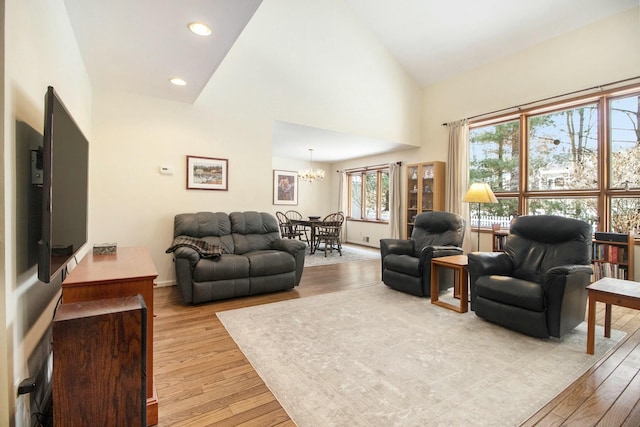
{"points": [[379, 171], [603, 192]]}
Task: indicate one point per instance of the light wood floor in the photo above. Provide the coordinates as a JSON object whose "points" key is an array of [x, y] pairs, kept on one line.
{"points": [[203, 379]]}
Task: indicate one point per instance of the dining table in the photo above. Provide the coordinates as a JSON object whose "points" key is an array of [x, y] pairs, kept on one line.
{"points": [[312, 223]]}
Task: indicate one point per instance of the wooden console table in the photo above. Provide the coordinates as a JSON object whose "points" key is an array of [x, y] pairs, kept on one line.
{"points": [[128, 273]]}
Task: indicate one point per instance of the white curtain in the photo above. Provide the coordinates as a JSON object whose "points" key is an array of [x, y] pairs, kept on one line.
{"points": [[457, 181], [395, 197], [342, 201]]}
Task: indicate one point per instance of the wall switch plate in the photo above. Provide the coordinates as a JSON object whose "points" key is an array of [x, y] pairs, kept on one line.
{"points": [[166, 170]]}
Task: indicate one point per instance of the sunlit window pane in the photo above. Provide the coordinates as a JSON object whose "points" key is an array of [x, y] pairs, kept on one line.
{"points": [[625, 215], [495, 154], [585, 209], [384, 191], [355, 182], [625, 142], [371, 195], [563, 150]]}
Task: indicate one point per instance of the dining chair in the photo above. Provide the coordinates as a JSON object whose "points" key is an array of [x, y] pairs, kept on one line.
{"points": [[299, 229], [287, 230], [329, 231]]}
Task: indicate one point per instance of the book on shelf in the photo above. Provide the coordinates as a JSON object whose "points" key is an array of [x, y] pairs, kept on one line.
{"points": [[607, 269]]}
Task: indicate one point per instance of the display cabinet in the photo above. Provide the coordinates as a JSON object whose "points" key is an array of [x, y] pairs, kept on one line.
{"points": [[425, 190]]}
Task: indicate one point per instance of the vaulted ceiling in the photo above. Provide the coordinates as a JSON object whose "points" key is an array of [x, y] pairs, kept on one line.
{"points": [[138, 45]]}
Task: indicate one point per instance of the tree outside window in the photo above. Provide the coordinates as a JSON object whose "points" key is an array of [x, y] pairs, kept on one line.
{"points": [[564, 153]]}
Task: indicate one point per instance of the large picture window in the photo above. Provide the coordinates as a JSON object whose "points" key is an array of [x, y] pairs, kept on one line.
{"points": [[580, 160], [369, 195]]}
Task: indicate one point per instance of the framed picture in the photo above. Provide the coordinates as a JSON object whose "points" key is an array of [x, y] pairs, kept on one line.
{"points": [[207, 173], [285, 187]]}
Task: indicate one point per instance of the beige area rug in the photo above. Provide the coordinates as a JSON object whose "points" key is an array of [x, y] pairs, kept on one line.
{"points": [[377, 357], [349, 254]]}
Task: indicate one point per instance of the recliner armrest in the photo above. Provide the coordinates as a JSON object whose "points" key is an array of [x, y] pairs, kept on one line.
{"points": [[429, 252], [566, 270], [396, 246], [487, 263]]}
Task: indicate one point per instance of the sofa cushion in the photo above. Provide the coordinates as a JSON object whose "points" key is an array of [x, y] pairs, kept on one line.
{"points": [[268, 263], [212, 227], [227, 266], [511, 291], [404, 264], [253, 231]]}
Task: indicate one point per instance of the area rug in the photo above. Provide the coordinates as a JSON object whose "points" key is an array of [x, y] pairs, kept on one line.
{"points": [[377, 357], [349, 254]]}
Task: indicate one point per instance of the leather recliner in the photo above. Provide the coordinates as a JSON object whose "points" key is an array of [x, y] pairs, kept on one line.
{"points": [[538, 285], [406, 264]]}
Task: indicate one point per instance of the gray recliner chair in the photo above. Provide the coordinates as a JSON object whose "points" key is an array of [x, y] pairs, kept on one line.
{"points": [[538, 285], [406, 264]]}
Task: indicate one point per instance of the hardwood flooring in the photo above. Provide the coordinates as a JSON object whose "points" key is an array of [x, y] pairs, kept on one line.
{"points": [[202, 378]]}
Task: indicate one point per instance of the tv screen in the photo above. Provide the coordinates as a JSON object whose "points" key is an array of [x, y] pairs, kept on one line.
{"points": [[65, 164]]}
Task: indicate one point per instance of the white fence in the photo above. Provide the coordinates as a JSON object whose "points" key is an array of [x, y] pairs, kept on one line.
{"points": [[486, 221]]}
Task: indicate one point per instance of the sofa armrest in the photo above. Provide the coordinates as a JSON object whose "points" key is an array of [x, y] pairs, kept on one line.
{"points": [[188, 254], [296, 248], [289, 245]]}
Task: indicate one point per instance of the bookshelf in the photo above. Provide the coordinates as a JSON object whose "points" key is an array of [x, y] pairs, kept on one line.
{"points": [[612, 256], [498, 237]]}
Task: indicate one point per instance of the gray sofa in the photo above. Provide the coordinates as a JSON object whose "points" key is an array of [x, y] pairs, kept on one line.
{"points": [[248, 257]]}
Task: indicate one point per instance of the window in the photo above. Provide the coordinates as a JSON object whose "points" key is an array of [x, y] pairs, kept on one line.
{"points": [[563, 149], [495, 156], [625, 142], [566, 172], [369, 194]]}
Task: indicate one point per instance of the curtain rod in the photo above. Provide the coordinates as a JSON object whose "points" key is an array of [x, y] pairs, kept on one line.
{"points": [[368, 167], [518, 107]]}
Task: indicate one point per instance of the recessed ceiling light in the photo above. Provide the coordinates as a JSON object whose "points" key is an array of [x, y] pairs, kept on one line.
{"points": [[177, 81], [199, 28]]}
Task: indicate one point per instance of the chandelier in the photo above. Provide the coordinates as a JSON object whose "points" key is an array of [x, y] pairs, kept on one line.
{"points": [[311, 174]]}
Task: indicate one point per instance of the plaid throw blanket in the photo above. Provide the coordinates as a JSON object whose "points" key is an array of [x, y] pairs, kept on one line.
{"points": [[205, 249]]}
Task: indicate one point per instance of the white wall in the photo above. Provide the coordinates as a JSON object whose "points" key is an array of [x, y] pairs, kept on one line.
{"points": [[603, 52], [299, 61], [40, 50]]}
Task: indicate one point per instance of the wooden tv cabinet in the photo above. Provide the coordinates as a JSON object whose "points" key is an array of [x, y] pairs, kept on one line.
{"points": [[129, 272]]}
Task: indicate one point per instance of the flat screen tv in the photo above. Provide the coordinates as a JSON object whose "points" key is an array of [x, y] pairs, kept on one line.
{"points": [[65, 164]]}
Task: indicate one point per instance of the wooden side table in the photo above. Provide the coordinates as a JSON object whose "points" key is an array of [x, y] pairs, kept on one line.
{"points": [[624, 293], [461, 280]]}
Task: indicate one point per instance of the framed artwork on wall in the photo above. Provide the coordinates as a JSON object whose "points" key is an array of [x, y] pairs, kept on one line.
{"points": [[207, 173], [285, 187]]}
